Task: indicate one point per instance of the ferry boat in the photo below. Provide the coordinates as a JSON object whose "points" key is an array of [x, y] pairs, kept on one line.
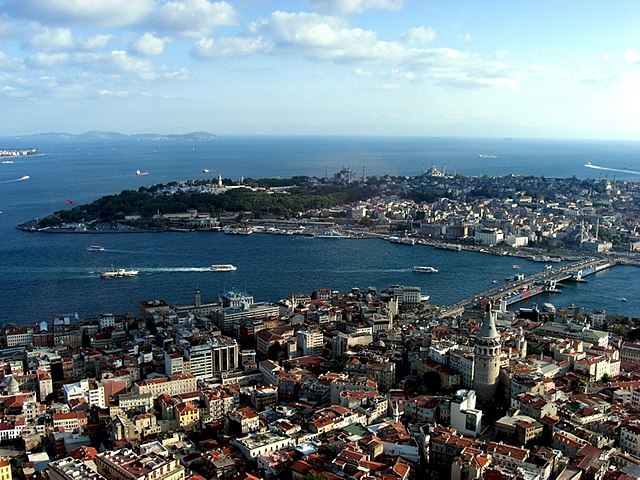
{"points": [[420, 269], [95, 248], [223, 268], [447, 246], [403, 240], [118, 273]]}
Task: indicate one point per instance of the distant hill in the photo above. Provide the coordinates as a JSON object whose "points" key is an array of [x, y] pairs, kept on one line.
{"points": [[100, 135]]}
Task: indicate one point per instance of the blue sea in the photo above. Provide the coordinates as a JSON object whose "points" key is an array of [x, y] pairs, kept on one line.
{"points": [[42, 275]]}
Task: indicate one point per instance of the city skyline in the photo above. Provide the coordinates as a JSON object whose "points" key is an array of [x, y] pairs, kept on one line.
{"points": [[376, 67]]}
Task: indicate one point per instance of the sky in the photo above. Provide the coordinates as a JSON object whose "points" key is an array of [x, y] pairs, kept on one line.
{"points": [[551, 69]]}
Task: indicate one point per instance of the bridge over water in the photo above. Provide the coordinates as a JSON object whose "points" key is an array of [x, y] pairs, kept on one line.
{"points": [[527, 287]]}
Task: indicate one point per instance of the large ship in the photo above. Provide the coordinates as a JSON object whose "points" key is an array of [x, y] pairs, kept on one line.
{"points": [[223, 268], [117, 273], [421, 269]]}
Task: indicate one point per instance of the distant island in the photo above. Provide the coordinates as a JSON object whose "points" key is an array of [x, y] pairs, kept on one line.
{"points": [[106, 135]]}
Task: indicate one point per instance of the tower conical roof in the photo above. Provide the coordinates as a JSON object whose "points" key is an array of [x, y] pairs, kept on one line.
{"points": [[488, 329]]}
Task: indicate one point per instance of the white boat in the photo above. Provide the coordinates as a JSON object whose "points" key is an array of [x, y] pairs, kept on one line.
{"points": [[420, 269], [118, 273], [205, 170], [622, 299], [223, 268], [140, 173], [95, 248], [487, 155], [331, 234], [7, 161], [515, 266], [541, 258], [238, 231], [403, 240]]}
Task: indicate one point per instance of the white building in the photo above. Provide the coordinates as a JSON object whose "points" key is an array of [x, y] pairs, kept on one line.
{"points": [[219, 354], [630, 439], [310, 342], [464, 416], [517, 241], [89, 390], [489, 236]]}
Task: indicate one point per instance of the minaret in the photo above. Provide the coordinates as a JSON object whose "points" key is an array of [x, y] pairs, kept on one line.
{"points": [[198, 298], [486, 360]]}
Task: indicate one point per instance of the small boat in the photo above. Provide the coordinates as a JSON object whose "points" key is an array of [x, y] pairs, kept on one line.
{"points": [[140, 173], [419, 269], [205, 170], [494, 281], [95, 248], [515, 267], [622, 299], [487, 155], [223, 268], [7, 162], [118, 273]]}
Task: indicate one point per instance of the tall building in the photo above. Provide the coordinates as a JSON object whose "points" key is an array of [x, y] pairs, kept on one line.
{"points": [[219, 354], [486, 361]]}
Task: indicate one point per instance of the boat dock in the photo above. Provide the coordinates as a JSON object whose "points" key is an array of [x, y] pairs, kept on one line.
{"points": [[525, 288]]}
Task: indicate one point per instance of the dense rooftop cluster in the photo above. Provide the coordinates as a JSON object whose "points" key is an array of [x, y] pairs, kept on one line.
{"points": [[360, 385]]}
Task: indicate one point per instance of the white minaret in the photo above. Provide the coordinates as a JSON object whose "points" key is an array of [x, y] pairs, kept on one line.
{"points": [[486, 360]]}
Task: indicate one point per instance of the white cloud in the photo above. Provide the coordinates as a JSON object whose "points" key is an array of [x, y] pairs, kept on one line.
{"points": [[62, 39], [43, 60], [150, 45], [192, 17], [209, 49], [118, 63], [361, 72], [356, 6], [330, 38], [9, 63], [326, 37], [632, 56], [112, 94], [96, 42], [49, 40], [420, 35], [107, 13]]}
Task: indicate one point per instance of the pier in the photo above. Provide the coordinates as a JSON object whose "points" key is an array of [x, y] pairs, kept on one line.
{"points": [[528, 287]]}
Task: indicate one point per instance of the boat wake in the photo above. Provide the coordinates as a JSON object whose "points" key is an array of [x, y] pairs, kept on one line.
{"points": [[21, 179], [621, 170], [177, 269]]}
